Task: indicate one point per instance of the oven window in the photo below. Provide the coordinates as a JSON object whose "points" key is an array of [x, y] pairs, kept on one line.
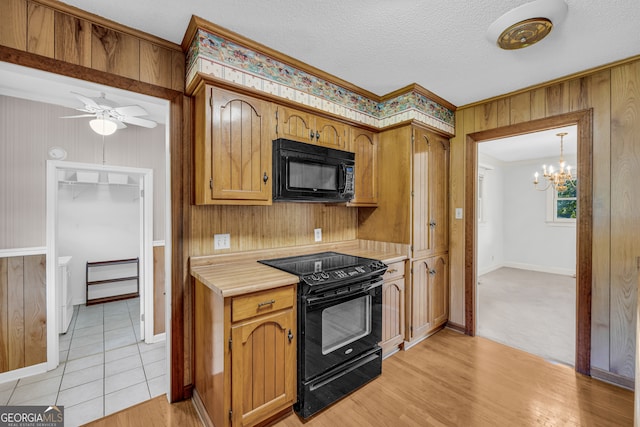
{"points": [[345, 323], [312, 175]]}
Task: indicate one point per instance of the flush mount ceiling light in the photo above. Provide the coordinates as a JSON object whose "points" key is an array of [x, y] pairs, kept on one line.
{"points": [[527, 24]]}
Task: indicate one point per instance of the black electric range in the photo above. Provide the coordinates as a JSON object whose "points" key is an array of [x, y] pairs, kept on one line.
{"points": [[339, 325]]}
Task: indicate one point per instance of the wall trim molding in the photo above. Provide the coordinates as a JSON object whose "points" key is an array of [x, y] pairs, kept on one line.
{"points": [[611, 378]]}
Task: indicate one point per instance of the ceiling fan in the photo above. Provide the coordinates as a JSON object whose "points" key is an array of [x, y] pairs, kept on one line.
{"points": [[109, 116]]}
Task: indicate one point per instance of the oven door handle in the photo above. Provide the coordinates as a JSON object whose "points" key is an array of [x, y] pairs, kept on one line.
{"points": [[313, 301]]}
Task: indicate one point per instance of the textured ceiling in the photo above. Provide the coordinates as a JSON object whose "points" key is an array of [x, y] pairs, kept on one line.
{"points": [[382, 46]]}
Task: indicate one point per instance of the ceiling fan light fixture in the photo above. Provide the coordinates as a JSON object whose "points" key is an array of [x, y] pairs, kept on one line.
{"points": [[527, 24], [102, 126]]}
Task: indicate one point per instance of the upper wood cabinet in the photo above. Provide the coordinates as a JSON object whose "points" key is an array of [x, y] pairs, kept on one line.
{"points": [[364, 144], [430, 193], [305, 127], [413, 192], [232, 148]]}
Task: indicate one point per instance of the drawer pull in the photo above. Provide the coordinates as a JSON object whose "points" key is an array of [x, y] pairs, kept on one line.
{"points": [[392, 270], [262, 304]]}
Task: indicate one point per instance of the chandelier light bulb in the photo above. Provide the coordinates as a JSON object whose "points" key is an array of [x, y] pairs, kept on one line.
{"points": [[560, 179]]}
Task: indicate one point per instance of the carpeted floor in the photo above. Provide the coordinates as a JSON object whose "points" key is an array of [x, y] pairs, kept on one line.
{"points": [[529, 310]]}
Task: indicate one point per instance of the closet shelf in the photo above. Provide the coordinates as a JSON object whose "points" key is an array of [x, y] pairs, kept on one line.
{"points": [[93, 267]]}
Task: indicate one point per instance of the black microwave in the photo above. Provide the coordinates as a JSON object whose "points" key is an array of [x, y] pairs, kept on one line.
{"points": [[310, 173]]}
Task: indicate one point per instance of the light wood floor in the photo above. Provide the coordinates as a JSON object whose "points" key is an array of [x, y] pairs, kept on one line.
{"points": [[448, 380]]}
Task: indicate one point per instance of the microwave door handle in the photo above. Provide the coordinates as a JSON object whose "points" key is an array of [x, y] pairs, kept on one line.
{"points": [[342, 179]]}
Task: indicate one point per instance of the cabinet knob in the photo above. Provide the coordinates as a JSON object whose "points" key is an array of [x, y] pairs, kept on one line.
{"points": [[432, 224], [265, 177], [290, 336], [432, 272], [317, 135], [311, 134]]}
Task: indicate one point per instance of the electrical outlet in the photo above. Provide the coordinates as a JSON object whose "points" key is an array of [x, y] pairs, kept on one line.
{"points": [[317, 234], [221, 241], [458, 213]]}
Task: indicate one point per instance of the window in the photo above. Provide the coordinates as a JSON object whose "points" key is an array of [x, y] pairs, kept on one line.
{"points": [[563, 205]]}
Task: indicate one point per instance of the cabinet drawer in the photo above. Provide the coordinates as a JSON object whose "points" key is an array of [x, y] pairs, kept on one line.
{"points": [[259, 303], [395, 270]]}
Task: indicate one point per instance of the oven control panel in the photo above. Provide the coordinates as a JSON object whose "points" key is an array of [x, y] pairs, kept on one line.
{"points": [[341, 274]]}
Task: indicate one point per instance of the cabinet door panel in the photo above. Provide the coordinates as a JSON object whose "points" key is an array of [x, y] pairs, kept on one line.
{"points": [[392, 314], [330, 133], [439, 194], [240, 147], [420, 299], [421, 189], [294, 124], [438, 290], [365, 146], [263, 369]]}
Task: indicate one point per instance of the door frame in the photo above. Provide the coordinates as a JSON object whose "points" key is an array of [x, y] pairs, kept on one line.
{"points": [[145, 219], [583, 120]]}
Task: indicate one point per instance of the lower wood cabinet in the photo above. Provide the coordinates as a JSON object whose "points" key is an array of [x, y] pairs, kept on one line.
{"points": [[245, 355], [393, 301], [429, 301]]}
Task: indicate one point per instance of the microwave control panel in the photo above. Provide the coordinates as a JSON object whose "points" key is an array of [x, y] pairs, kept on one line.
{"points": [[348, 185]]}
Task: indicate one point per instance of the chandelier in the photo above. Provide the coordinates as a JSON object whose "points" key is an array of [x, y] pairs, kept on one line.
{"points": [[561, 179]]}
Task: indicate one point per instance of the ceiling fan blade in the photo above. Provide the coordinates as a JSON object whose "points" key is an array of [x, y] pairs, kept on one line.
{"points": [[140, 122], [87, 101], [120, 124], [131, 110], [78, 116]]}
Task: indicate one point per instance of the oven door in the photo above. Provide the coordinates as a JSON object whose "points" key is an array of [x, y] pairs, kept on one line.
{"points": [[340, 325]]}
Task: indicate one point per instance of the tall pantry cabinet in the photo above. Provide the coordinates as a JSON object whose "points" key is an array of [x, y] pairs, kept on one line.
{"points": [[413, 209]]}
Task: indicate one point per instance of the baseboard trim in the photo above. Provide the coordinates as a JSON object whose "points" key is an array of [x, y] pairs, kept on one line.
{"points": [[200, 409], [541, 268], [611, 378], [456, 327], [408, 344]]}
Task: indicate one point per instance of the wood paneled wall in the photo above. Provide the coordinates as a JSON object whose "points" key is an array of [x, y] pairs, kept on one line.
{"points": [[613, 93], [52, 36], [158, 290], [23, 312], [263, 227], [54, 30]]}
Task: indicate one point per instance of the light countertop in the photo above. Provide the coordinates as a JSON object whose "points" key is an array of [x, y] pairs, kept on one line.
{"points": [[232, 276]]}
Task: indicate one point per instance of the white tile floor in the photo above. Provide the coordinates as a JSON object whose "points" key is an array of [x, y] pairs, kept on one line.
{"points": [[104, 367]]}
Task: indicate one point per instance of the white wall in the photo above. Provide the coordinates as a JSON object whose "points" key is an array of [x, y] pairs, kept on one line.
{"points": [[97, 222], [28, 129], [516, 232], [529, 240], [490, 229]]}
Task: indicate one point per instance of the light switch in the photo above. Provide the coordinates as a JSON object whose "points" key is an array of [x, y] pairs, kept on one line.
{"points": [[458, 213]]}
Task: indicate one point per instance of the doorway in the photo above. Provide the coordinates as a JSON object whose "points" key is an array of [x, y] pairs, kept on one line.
{"points": [[583, 121], [526, 257], [49, 97], [99, 219]]}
